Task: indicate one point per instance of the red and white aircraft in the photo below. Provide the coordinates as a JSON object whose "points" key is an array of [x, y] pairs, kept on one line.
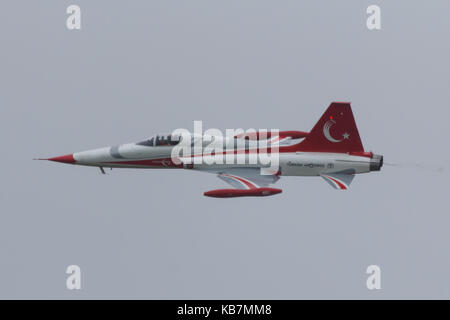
{"points": [[331, 150]]}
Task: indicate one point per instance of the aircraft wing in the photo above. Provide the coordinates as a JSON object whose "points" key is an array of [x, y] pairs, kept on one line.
{"points": [[245, 182]]}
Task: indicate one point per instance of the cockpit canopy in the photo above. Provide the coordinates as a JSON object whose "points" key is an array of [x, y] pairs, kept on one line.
{"points": [[160, 140]]}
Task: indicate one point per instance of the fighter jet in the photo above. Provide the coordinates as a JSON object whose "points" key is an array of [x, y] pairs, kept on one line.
{"points": [[332, 150]]}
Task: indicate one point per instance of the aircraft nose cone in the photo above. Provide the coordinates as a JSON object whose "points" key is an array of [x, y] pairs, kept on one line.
{"points": [[68, 158]]}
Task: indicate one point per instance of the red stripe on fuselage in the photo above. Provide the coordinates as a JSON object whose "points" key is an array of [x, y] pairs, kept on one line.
{"points": [[160, 162], [284, 149]]}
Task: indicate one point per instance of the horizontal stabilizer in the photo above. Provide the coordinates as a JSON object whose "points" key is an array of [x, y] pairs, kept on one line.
{"points": [[339, 181]]}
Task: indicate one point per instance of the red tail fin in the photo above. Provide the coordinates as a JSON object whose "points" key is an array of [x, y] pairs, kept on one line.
{"points": [[335, 132]]}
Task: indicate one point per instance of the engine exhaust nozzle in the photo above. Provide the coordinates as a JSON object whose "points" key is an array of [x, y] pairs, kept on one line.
{"points": [[376, 162]]}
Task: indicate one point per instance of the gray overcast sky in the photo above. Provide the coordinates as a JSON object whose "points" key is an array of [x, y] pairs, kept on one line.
{"points": [[138, 68]]}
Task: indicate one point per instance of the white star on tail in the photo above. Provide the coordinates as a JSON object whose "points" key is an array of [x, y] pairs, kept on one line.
{"points": [[346, 135]]}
